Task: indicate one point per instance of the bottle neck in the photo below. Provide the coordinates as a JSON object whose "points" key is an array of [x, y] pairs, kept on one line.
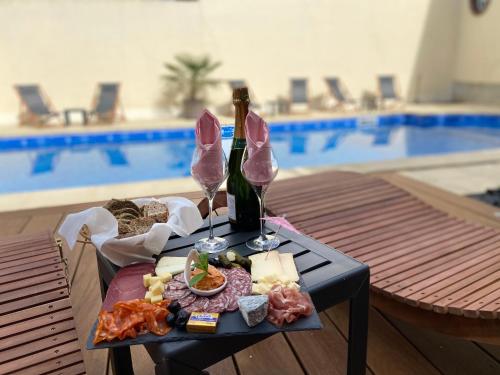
{"points": [[241, 111]]}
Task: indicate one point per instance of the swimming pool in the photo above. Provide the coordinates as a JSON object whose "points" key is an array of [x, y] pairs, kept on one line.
{"points": [[74, 160]]}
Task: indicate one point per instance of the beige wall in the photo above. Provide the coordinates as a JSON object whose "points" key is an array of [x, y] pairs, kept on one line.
{"points": [[69, 45], [477, 68]]}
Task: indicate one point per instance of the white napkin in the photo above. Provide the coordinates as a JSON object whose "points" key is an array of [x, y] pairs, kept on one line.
{"points": [[184, 218]]}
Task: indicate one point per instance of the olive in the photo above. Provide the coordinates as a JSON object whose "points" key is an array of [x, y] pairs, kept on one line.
{"points": [[182, 318], [174, 307], [214, 262], [171, 319]]}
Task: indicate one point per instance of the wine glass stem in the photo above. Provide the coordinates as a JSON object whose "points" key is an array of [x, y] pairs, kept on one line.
{"points": [[210, 207], [261, 203]]}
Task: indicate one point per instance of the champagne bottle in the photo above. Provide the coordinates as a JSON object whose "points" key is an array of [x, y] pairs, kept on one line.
{"points": [[242, 201]]}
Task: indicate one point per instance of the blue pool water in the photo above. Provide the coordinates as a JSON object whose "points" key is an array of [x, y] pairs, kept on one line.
{"points": [[72, 160]]}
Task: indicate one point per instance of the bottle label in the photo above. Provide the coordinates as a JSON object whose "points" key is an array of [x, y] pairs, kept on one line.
{"points": [[231, 206]]}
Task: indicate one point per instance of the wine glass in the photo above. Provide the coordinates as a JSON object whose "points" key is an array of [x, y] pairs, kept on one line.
{"points": [[260, 170], [209, 169]]}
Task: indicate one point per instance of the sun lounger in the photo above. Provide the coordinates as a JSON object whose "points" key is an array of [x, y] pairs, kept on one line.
{"points": [[387, 92], [106, 105], [299, 99], [36, 108], [37, 329], [427, 267], [340, 94]]}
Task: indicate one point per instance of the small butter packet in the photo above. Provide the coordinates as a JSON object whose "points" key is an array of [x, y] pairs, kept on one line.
{"points": [[201, 322]]}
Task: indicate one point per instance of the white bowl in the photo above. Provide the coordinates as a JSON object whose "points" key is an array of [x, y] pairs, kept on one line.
{"points": [[193, 256]]}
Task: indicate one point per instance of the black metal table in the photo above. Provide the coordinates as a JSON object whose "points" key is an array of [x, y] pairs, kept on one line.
{"points": [[330, 276]]}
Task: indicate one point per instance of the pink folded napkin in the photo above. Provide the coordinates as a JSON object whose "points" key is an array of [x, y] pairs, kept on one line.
{"points": [[208, 170], [284, 223], [258, 167]]}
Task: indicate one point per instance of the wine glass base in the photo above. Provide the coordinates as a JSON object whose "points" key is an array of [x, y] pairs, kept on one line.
{"points": [[211, 246], [259, 244]]}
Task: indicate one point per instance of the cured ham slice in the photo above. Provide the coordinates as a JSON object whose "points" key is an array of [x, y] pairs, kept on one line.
{"points": [[286, 305], [132, 318], [127, 284]]}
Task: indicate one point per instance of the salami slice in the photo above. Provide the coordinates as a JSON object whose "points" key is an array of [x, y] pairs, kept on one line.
{"points": [[187, 300], [240, 280], [179, 277], [176, 294], [200, 304], [176, 285], [217, 303]]}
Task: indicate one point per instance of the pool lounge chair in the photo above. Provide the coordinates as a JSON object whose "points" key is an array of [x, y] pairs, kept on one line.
{"points": [[36, 107], [299, 98], [430, 268], [106, 105], [388, 94], [339, 93]]}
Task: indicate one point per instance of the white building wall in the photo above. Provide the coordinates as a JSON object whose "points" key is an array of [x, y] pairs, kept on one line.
{"points": [[68, 46]]}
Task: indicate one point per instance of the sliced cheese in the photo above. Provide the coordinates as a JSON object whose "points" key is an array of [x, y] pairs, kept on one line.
{"points": [[170, 265], [167, 261], [172, 269], [265, 265], [288, 265]]}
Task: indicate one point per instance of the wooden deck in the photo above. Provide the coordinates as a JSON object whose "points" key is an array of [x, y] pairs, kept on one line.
{"points": [[393, 347]]}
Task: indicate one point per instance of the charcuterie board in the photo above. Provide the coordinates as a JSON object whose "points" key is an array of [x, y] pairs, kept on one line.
{"points": [[230, 324], [308, 256]]}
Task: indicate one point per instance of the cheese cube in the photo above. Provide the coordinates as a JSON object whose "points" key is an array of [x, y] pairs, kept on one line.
{"points": [[154, 280], [166, 277], [156, 299], [157, 288], [146, 279], [148, 296]]}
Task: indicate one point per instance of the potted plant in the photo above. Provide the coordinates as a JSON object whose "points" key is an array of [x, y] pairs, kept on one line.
{"points": [[189, 78]]}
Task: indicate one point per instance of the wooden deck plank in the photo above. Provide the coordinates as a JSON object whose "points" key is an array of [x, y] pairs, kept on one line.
{"points": [[450, 355], [323, 218], [391, 233], [415, 237], [441, 267], [72, 358], [388, 351], [86, 303], [320, 350], [43, 222], [270, 356], [350, 216], [439, 245], [446, 201], [13, 225]]}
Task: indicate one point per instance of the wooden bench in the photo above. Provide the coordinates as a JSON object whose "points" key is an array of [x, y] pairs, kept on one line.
{"points": [[427, 267], [37, 331]]}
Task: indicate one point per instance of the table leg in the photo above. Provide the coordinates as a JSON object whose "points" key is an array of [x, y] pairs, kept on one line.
{"points": [[120, 358], [358, 330]]}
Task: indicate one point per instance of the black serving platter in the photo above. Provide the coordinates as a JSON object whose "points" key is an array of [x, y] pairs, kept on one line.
{"points": [[229, 324]]}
